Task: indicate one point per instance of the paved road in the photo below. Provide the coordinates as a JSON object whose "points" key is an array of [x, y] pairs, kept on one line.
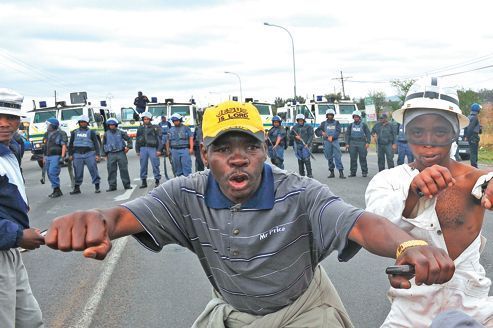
{"points": [[134, 287]]}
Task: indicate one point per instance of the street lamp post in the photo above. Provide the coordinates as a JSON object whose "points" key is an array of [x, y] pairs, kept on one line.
{"points": [[241, 91], [294, 62]]}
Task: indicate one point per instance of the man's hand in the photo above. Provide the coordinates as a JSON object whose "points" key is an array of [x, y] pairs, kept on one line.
{"points": [[190, 151], [347, 147], [432, 180], [297, 137], [432, 265], [31, 239], [138, 154], [98, 158], [158, 153], [125, 150], [394, 147], [487, 199], [367, 145], [80, 231], [330, 138]]}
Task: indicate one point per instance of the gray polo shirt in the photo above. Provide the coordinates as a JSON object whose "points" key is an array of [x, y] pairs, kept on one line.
{"points": [[260, 256]]}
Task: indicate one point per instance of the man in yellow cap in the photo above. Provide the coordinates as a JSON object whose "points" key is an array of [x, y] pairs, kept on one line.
{"points": [[259, 231]]}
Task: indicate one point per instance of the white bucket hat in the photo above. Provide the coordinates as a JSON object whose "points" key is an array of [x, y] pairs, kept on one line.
{"points": [[10, 102]]}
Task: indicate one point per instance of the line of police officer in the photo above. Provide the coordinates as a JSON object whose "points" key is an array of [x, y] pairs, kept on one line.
{"points": [[84, 149]]}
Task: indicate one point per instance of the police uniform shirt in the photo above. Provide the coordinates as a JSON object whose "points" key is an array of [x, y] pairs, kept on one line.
{"points": [[260, 255], [276, 132]]}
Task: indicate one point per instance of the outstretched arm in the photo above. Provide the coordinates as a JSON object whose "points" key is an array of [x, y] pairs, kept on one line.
{"points": [[381, 237], [91, 231]]}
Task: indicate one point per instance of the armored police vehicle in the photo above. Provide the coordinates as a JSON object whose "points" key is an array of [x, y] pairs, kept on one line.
{"points": [[68, 116], [188, 110], [265, 111], [343, 113], [129, 121]]}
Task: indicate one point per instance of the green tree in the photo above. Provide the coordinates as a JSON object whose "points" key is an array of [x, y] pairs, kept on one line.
{"points": [[331, 97], [466, 99], [379, 99], [279, 102], [402, 87]]}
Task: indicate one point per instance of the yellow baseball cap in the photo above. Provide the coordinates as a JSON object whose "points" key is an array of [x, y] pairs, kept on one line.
{"points": [[231, 116]]}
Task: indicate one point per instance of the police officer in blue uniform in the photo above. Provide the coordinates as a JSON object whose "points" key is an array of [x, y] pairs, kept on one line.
{"points": [[276, 142], [116, 144], [149, 145], [55, 148], [358, 138], [180, 146], [471, 133], [197, 140], [302, 135], [165, 126], [330, 130], [84, 150], [403, 149], [386, 142]]}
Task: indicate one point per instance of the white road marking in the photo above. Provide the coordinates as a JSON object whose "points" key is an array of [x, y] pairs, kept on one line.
{"points": [[126, 195], [92, 304]]}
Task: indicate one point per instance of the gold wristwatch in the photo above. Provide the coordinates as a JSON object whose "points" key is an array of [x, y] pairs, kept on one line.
{"points": [[410, 243]]}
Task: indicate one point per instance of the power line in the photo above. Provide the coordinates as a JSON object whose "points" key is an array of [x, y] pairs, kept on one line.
{"points": [[471, 70]]}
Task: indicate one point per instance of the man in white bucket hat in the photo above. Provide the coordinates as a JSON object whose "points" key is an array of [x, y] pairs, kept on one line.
{"points": [[440, 201]]}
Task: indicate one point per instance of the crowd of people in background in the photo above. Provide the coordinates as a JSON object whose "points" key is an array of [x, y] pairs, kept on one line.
{"points": [[176, 143]]}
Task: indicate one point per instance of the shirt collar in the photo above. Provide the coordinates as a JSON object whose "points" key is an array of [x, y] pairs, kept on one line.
{"points": [[4, 150], [262, 199]]}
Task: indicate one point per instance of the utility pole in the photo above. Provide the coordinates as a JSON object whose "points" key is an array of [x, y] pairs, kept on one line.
{"points": [[342, 82]]}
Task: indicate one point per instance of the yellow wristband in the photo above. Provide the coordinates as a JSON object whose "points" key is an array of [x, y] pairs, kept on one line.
{"points": [[410, 243]]}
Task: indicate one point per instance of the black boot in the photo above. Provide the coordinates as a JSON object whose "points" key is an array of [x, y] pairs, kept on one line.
{"points": [[157, 182], [301, 167], [96, 188], [56, 193], [76, 190], [144, 184], [128, 187], [331, 174], [352, 175], [341, 174], [110, 189], [308, 165]]}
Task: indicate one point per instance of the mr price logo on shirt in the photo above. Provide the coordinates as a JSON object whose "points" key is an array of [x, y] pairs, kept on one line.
{"points": [[232, 114]]}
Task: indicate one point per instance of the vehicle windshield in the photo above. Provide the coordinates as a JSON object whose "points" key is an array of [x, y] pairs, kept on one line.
{"points": [[41, 117], [127, 114], [71, 114], [322, 108], [303, 109], [263, 109], [183, 110], [157, 111], [346, 108]]}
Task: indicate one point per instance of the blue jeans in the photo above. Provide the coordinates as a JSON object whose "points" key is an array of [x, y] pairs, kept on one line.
{"points": [[88, 159], [182, 162], [404, 150], [385, 151], [53, 169], [147, 153], [332, 152]]}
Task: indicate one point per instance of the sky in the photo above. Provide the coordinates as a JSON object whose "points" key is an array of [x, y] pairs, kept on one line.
{"points": [[182, 48]]}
